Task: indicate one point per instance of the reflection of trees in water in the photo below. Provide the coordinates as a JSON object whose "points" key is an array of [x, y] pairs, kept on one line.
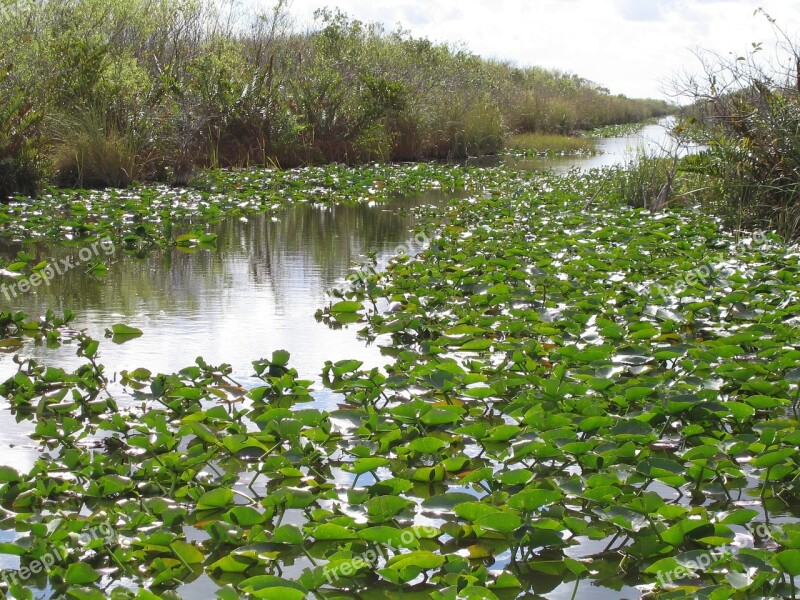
{"points": [[307, 249]]}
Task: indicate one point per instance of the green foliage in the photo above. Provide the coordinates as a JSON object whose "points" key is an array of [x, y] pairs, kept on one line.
{"points": [[556, 376], [539, 144], [643, 179], [157, 89], [20, 168], [92, 149], [747, 112]]}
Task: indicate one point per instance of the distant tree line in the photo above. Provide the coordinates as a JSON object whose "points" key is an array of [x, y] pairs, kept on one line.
{"points": [[107, 92]]}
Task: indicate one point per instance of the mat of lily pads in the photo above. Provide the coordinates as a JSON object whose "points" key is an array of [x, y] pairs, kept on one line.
{"points": [[573, 398]]}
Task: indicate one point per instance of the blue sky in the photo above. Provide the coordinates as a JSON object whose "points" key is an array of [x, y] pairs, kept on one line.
{"points": [[631, 46]]}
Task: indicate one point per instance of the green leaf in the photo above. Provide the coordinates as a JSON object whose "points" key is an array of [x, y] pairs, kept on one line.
{"points": [[770, 459], [421, 559], [273, 588], [500, 522], [530, 500], [383, 508], [217, 498], [287, 534], [121, 329], [427, 445], [330, 531], [13, 549], [346, 306], [188, 553], [8, 475], [364, 465], [788, 561], [389, 536], [80, 573]]}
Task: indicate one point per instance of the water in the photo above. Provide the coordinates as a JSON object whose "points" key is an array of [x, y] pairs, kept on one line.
{"points": [[652, 139], [256, 293]]}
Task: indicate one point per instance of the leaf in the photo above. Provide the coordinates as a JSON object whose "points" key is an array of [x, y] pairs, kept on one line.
{"points": [[280, 358], [80, 573], [273, 588], [364, 465], [9, 475], [330, 531], [447, 501], [287, 534], [121, 329], [421, 559], [788, 561], [500, 522], [530, 500], [427, 445], [346, 306], [389, 536], [13, 549], [217, 498], [188, 553], [383, 508], [472, 511], [770, 459]]}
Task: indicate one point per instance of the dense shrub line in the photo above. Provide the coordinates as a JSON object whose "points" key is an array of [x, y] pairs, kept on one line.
{"points": [[105, 92], [745, 110]]}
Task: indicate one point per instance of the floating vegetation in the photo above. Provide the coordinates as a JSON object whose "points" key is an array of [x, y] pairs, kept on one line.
{"points": [[567, 403], [622, 130], [162, 215], [533, 144]]}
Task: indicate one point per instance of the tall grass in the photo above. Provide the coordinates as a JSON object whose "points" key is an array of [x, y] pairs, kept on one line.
{"points": [[647, 181], [144, 89], [90, 149], [547, 144]]}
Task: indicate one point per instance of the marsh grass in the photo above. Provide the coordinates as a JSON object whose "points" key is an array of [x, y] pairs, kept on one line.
{"points": [[91, 150], [172, 87], [641, 183], [549, 144]]}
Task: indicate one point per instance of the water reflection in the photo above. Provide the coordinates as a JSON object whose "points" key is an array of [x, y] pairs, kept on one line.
{"points": [[611, 151], [255, 294]]}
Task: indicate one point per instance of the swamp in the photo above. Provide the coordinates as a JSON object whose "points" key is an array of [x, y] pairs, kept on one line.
{"points": [[539, 360]]}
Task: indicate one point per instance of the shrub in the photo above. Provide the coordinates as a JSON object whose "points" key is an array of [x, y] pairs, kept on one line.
{"points": [[20, 167], [146, 89], [747, 110], [647, 181], [93, 149]]}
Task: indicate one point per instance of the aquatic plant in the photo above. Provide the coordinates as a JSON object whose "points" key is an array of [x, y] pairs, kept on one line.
{"points": [[566, 403]]}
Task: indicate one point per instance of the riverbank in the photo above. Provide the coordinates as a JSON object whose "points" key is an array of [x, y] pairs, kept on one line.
{"points": [[188, 87]]}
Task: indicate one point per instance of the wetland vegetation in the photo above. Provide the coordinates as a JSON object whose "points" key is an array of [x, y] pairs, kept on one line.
{"points": [[536, 386], [99, 92]]}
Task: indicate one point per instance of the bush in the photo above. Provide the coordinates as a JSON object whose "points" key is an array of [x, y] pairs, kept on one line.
{"points": [[647, 181], [747, 111], [20, 168], [93, 149], [147, 89]]}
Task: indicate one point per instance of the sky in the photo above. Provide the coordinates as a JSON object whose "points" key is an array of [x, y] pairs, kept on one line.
{"points": [[632, 47]]}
